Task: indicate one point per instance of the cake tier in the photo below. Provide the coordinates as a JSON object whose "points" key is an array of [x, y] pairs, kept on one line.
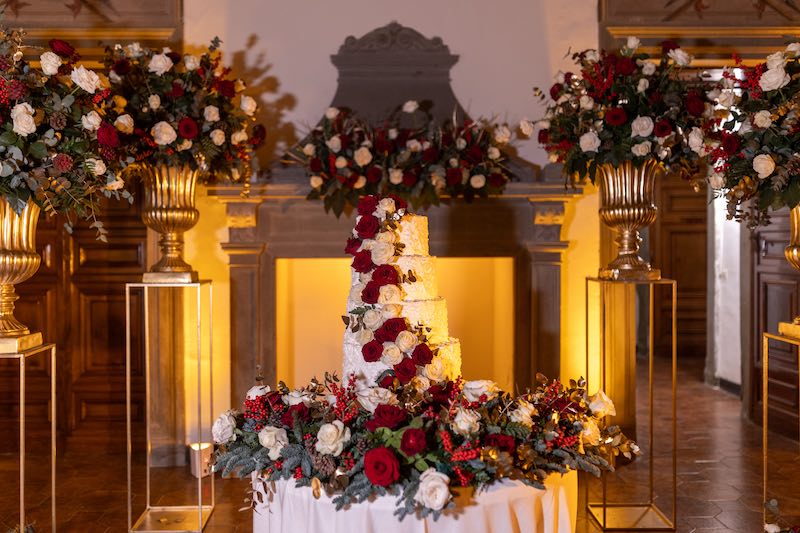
{"points": [[446, 363], [413, 232], [425, 287], [430, 313]]}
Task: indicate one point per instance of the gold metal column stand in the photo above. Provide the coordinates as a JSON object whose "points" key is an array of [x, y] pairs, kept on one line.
{"points": [[785, 494], [641, 495], [32, 503], [164, 494]]}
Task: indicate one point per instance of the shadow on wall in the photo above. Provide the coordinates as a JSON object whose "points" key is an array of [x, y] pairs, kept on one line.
{"points": [[273, 105]]}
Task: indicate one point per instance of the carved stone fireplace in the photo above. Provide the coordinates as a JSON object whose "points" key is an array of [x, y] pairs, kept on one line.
{"points": [[273, 220]]}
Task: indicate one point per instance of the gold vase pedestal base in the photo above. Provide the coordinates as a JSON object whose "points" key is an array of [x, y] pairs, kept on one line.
{"points": [[170, 277], [790, 329], [617, 274], [20, 344], [183, 519], [627, 517]]}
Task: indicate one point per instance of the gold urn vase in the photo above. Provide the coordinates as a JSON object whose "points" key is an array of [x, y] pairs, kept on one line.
{"points": [[18, 262], [627, 204], [792, 253], [169, 209]]}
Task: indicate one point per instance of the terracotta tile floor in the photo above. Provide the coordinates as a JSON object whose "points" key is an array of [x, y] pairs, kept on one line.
{"points": [[719, 473]]}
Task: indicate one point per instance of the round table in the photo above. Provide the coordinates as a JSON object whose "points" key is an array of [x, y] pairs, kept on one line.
{"points": [[504, 507]]}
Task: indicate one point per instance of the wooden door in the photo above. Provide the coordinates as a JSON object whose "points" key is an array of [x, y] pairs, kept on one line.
{"points": [[775, 298], [678, 247]]}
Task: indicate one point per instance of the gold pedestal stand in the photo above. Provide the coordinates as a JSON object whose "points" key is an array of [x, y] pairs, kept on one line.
{"points": [[641, 511], [25, 359], [175, 518]]}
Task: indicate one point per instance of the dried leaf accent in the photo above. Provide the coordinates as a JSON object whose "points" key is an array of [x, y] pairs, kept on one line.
{"points": [[346, 320]]}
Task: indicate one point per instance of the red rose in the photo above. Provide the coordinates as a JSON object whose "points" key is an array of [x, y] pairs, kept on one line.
{"points": [[409, 179], [616, 116], [187, 128], [655, 98], [296, 412], [398, 202], [668, 46], [226, 88], [431, 155], [626, 66], [174, 56], [555, 91], [367, 226], [662, 128], [405, 370], [544, 136], [381, 466], [374, 174], [504, 443], [731, 144], [440, 393], [474, 153], [496, 180], [258, 135], [122, 67], [352, 246], [422, 354], [176, 91], [387, 416], [371, 293], [367, 205], [315, 165], [386, 275], [274, 399], [372, 351], [454, 176], [390, 329], [694, 104], [414, 441], [107, 135], [62, 48], [362, 261], [568, 77], [387, 381]]}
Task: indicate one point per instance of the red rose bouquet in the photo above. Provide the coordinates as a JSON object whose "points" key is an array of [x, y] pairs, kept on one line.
{"points": [[179, 110], [625, 106]]}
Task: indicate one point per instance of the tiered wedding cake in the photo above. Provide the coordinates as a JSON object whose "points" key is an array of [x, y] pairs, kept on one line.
{"points": [[396, 320]]}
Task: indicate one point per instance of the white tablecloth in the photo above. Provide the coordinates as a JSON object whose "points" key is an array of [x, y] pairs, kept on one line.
{"points": [[506, 507]]}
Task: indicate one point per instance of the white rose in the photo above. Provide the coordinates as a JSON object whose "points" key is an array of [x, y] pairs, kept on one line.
{"points": [[334, 144], [493, 152], [764, 165], [641, 149], [648, 68], [372, 397], [726, 98], [643, 85], [362, 156], [154, 101], [433, 491], [632, 44], [414, 145], [592, 56], [697, 141], [642, 127], [601, 405], [191, 62], [238, 137], [331, 113], [466, 422], [461, 144], [364, 336], [134, 50], [395, 176], [97, 166], [309, 150], [91, 121], [382, 253], [763, 119], [680, 57], [163, 133], [387, 205], [473, 390], [273, 439], [391, 354], [794, 49], [211, 113], [331, 438], [184, 145], [124, 123], [410, 106], [589, 142], [773, 79], [22, 117], [50, 63], [222, 430], [393, 133], [88, 80], [502, 135], [257, 392], [420, 383], [776, 60], [526, 127], [434, 370], [772, 528], [591, 432], [159, 64], [391, 311], [115, 185], [373, 319], [248, 105], [716, 181], [713, 94], [297, 397], [315, 182], [477, 181], [406, 341], [521, 416], [355, 293], [388, 294], [217, 137], [586, 102]]}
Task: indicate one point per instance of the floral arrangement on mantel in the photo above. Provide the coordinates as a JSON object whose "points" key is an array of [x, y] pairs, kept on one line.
{"points": [[755, 152], [417, 442], [346, 158], [179, 110], [626, 106], [51, 151]]}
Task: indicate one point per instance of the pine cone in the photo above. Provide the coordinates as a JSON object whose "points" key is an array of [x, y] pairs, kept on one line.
{"points": [[108, 153], [324, 464], [58, 121], [62, 163], [16, 90]]}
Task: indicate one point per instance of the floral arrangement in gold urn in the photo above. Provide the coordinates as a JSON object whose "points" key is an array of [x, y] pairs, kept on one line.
{"points": [[174, 119], [51, 159], [623, 118]]}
